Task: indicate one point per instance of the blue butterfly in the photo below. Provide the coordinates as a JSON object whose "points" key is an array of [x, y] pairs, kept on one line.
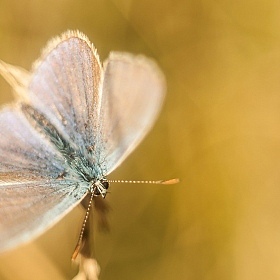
{"points": [[73, 122]]}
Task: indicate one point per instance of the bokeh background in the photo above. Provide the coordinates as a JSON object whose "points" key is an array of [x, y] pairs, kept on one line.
{"points": [[219, 132]]}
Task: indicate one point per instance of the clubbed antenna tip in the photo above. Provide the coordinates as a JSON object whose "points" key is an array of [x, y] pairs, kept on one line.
{"points": [[169, 182]]}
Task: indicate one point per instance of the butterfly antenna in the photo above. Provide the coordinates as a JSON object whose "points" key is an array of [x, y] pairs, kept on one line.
{"points": [[160, 182], [80, 240]]}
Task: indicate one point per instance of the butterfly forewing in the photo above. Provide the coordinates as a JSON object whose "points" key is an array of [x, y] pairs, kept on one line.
{"points": [[65, 88], [132, 94]]}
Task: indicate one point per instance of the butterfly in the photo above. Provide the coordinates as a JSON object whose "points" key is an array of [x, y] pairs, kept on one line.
{"points": [[73, 122]]}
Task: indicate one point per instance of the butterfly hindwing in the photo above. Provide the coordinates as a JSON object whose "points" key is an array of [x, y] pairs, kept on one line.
{"points": [[33, 192]]}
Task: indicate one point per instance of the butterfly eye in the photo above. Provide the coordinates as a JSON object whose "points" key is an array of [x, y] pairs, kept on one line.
{"points": [[105, 184]]}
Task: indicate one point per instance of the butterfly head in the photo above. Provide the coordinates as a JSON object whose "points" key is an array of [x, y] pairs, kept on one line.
{"points": [[100, 187]]}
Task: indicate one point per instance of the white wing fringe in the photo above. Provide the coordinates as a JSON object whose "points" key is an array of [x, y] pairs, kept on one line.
{"points": [[17, 77]]}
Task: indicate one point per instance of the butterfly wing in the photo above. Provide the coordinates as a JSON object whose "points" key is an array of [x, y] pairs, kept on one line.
{"points": [[32, 195], [17, 77], [109, 112], [65, 87], [132, 94]]}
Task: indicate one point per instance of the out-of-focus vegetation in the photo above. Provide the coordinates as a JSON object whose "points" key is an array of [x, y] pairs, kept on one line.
{"points": [[219, 132]]}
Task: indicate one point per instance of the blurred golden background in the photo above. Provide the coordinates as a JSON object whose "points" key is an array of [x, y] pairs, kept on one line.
{"points": [[219, 132]]}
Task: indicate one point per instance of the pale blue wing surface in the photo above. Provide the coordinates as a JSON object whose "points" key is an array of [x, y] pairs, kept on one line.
{"points": [[65, 88], [107, 112], [33, 196], [23, 150], [132, 95], [16, 76], [29, 207]]}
